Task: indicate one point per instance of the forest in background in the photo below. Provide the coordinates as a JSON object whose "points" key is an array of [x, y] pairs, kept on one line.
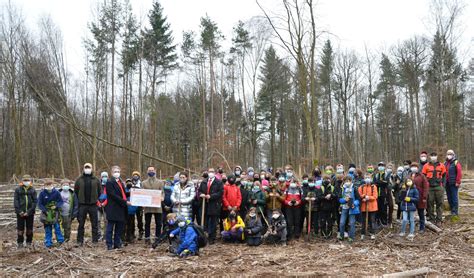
{"points": [[283, 93]]}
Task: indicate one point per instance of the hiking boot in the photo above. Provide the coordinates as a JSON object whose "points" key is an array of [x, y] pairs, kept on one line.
{"points": [[19, 246], [402, 234], [362, 237], [140, 236], [372, 237], [350, 240], [339, 237], [422, 231], [411, 236]]}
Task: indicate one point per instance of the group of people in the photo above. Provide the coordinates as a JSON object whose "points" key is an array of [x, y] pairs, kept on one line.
{"points": [[271, 207]]}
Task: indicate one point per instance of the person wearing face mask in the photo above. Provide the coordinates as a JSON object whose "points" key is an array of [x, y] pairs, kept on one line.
{"points": [[69, 209], [233, 228], [351, 172], [257, 200], [278, 229], [423, 159], [183, 196], [211, 190], [116, 209], [338, 187], [50, 202], [396, 182], [293, 204], [340, 169], [349, 201], [24, 201], [327, 207], [250, 172], [253, 228], [237, 171], [129, 231], [381, 179], [232, 197], [409, 195], [101, 203], [406, 169], [368, 196], [304, 188], [137, 183], [435, 172], [168, 189], [195, 205], [312, 196], [219, 173], [88, 189], [370, 169], [453, 182], [152, 182], [274, 196], [187, 238], [390, 199], [170, 224], [423, 186], [317, 174]]}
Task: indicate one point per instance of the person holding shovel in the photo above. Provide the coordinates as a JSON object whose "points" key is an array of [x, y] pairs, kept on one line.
{"points": [[368, 195], [211, 191]]}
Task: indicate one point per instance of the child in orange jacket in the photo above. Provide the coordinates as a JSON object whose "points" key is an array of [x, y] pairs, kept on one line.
{"points": [[368, 195]]}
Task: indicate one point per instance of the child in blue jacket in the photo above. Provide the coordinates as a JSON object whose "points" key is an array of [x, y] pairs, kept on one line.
{"points": [[350, 200], [409, 196], [188, 238], [49, 202]]}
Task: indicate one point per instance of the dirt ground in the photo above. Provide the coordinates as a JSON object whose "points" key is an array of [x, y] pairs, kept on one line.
{"points": [[448, 253]]}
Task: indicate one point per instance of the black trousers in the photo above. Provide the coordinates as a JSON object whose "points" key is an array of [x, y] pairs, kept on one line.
{"points": [[130, 228], [293, 220], [314, 221], [21, 224], [158, 219], [85, 210], [139, 217], [325, 222]]}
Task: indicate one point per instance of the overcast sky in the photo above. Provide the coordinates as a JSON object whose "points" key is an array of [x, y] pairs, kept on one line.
{"points": [[376, 23]]}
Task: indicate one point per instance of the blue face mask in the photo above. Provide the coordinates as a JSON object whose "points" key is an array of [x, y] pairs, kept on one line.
{"points": [[255, 189], [171, 222], [104, 180], [381, 168], [151, 174]]}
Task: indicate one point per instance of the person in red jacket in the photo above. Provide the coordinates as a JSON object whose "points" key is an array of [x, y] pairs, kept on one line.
{"points": [[293, 203], [453, 181], [232, 198], [423, 186], [435, 172]]}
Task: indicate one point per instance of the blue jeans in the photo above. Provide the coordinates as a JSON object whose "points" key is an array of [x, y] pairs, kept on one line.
{"points": [[116, 228], [408, 216], [452, 194], [352, 219], [421, 214], [48, 234]]}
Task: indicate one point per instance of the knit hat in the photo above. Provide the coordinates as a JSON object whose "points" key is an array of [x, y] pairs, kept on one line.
{"points": [[424, 152], [136, 173], [237, 167], [26, 178], [381, 163], [450, 152], [352, 165], [88, 165], [104, 175], [250, 169]]}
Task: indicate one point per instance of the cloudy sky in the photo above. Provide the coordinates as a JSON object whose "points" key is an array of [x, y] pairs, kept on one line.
{"points": [[353, 24]]}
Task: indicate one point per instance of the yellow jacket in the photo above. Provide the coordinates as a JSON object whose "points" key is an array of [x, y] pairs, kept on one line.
{"points": [[238, 224]]}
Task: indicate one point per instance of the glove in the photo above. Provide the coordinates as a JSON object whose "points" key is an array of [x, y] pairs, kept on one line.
{"points": [[407, 199], [249, 231], [202, 195], [328, 196], [171, 235], [313, 199], [366, 197], [297, 203]]}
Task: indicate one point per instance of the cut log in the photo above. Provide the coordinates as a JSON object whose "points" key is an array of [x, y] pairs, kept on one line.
{"points": [[409, 273], [433, 227]]}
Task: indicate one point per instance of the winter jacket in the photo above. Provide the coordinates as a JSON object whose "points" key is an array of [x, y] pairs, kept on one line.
{"points": [[260, 197], [423, 186], [293, 195], [411, 192], [453, 172], [45, 197], [274, 202], [215, 190], [315, 192], [187, 239], [255, 225], [239, 223], [81, 188], [371, 191], [231, 197], [168, 191], [435, 173], [278, 225], [154, 184], [185, 197], [382, 179], [131, 210], [116, 208], [354, 199], [327, 204], [245, 204], [396, 182], [25, 200], [73, 204]]}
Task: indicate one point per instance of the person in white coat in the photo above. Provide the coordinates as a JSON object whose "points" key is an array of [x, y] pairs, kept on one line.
{"points": [[183, 196]]}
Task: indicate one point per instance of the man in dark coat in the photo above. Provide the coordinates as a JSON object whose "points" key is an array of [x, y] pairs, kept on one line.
{"points": [[87, 189], [211, 189], [116, 209]]}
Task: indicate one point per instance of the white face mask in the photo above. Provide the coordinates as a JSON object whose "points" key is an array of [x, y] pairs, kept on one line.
{"points": [[293, 185], [275, 216], [423, 158], [414, 169], [181, 224], [434, 158], [182, 180], [211, 175], [87, 171], [26, 183], [262, 177], [450, 156], [252, 214], [116, 175]]}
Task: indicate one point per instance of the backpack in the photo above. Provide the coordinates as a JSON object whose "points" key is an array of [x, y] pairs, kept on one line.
{"points": [[201, 235]]}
